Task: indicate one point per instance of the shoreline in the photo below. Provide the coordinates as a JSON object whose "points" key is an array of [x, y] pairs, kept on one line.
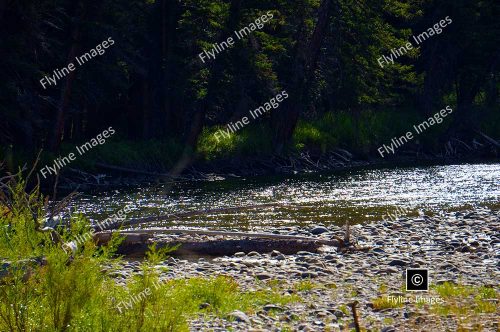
{"points": [[460, 249], [235, 168]]}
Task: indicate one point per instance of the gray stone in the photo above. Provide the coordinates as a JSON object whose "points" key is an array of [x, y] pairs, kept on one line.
{"points": [[204, 305], [319, 230], [398, 262], [239, 316], [275, 253], [269, 307], [339, 313], [305, 328], [263, 276], [308, 274], [389, 269]]}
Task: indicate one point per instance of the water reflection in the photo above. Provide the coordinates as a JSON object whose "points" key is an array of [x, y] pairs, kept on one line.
{"points": [[354, 196]]}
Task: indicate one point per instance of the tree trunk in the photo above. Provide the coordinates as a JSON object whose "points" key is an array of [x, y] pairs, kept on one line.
{"points": [[169, 22], [3, 5], [146, 109], [305, 63], [491, 84], [68, 83], [216, 74], [467, 90]]}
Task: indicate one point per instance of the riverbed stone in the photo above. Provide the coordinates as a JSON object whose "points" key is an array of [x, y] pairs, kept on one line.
{"points": [[398, 262], [239, 316], [263, 276], [319, 230], [275, 253]]}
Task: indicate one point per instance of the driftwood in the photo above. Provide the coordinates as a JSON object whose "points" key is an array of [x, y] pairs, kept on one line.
{"points": [[136, 242], [463, 143], [222, 247], [489, 139], [131, 170], [345, 159]]}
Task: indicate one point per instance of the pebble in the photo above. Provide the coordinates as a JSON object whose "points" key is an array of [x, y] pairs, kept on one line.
{"points": [[446, 245], [398, 262], [319, 230], [239, 316], [263, 276], [269, 307], [308, 274]]}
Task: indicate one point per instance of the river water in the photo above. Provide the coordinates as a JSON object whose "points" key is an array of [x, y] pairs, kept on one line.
{"points": [[356, 196]]}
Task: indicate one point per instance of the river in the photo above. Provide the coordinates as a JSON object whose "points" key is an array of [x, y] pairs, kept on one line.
{"points": [[357, 196]]}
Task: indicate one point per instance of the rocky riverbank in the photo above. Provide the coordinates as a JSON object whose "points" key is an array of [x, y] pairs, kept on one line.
{"points": [[460, 249]]}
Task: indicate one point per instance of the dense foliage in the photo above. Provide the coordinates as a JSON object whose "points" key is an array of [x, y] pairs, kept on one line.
{"points": [[151, 84]]}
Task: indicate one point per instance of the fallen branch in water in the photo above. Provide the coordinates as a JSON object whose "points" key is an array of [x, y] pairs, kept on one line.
{"points": [[130, 170]]}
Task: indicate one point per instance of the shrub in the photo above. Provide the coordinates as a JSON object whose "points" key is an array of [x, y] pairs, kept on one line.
{"points": [[42, 288]]}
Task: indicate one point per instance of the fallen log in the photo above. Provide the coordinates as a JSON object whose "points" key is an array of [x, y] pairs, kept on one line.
{"points": [[136, 242], [129, 170], [222, 247], [105, 236]]}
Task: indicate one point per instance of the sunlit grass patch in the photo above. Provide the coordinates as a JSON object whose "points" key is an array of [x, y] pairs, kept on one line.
{"points": [[463, 300], [388, 321], [212, 144], [305, 285], [249, 141], [383, 302], [273, 296]]}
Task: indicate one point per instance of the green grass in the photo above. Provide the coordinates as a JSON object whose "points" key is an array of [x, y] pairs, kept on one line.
{"points": [[305, 286], [383, 302], [469, 306], [252, 140], [150, 155], [75, 294], [359, 132], [465, 300]]}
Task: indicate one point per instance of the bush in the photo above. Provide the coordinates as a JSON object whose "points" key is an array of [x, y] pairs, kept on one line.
{"points": [[42, 288]]}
